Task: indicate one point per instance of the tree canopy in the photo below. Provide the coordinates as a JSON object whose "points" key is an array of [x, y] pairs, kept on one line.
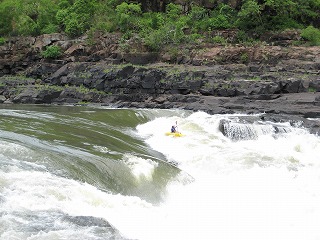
{"points": [[155, 20]]}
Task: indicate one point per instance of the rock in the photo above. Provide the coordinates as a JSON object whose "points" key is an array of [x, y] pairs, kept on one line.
{"points": [[141, 58], [26, 96], [47, 96], [47, 39], [216, 79], [2, 99], [42, 71], [75, 50], [293, 86]]}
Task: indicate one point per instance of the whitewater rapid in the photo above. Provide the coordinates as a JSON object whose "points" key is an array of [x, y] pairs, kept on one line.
{"points": [[266, 187]]}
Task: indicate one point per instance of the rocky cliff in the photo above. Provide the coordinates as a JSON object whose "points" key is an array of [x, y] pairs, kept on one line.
{"points": [[275, 79]]}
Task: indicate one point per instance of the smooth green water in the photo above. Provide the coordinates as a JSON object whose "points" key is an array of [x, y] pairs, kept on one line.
{"points": [[86, 144]]}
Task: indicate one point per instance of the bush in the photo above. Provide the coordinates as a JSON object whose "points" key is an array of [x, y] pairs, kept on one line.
{"points": [[74, 25], [219, 40], [312, 35], [197, 13], [244, 58], [50, 28], [2, 40], [243, 37], [173, 11], [52, 52], [77, 18], [218, 22], [25, 26], [128, 15]]}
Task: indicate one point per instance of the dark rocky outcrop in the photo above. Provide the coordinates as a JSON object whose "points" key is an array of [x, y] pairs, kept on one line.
{"points": [[216, 79]]}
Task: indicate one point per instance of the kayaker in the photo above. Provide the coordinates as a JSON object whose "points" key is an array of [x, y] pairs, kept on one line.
{"points": [[174, 128]]}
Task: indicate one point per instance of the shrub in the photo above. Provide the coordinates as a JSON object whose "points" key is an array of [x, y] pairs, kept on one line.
{"points": [[219, 22], [168, 34], [52, 52], [74, 26], [249, 15], [156, 39], [2, 40], [26, 26], [50, 28], [311, 34], [243, 37], [127, 16], [219, 40], [197, 13], [173, 11], [244, 58], [77, 18], [312, 89]]}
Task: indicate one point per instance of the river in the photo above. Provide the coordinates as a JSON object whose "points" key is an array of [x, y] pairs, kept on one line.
{"points": [[90, 172]]}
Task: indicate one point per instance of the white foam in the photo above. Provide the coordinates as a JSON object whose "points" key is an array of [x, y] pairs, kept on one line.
{"points": [[267, 188], [140, 167]]}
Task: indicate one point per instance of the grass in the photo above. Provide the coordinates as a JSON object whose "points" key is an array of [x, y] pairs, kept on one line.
{"points": [[312, 90], [2, 41], [85, 90], [42, 87]]}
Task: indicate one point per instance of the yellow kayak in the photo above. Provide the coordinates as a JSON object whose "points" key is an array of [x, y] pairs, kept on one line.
{"points": [[174, 134]]}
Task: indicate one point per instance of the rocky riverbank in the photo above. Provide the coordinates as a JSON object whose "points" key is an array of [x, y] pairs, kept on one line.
{"points": [[277, 80]]}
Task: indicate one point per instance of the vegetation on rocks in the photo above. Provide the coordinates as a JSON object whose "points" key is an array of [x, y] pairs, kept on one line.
{"points": [[156, 23], [312, 34], [52, 52]]}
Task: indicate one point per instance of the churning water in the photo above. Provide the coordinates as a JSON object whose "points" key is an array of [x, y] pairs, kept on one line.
{"points": [[95, 173]]}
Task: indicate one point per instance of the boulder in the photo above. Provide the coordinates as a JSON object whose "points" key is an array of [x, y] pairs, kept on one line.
{"points": [[48, 39], [141, 58]]}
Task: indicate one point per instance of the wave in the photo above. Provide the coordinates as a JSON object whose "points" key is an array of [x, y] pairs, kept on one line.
{"points": [[100, 173]]}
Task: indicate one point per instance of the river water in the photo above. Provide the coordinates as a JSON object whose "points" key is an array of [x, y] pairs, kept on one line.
{"points": [[71, 172]]}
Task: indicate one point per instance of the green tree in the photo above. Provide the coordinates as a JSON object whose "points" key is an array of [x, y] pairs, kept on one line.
{"points": [[76, 18], [277, 14], [127, 16], [7, 13], [222, 17], [249, 15], [173, 11], [27, 17], [307, 11], [153, 20]]}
